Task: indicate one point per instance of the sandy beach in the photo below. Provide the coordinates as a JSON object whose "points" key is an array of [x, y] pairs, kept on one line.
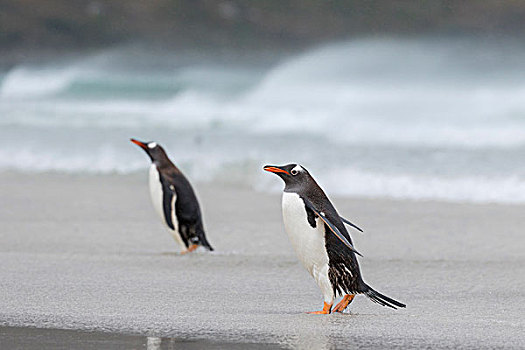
{"points": [[88, 253]]}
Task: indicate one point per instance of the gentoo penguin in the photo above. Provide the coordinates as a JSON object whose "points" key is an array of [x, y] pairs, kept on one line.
{"points": [[174, 200], [320, 240]]}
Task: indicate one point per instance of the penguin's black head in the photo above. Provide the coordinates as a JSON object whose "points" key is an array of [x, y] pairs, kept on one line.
{"points": [[293, 175], [154, 150]]}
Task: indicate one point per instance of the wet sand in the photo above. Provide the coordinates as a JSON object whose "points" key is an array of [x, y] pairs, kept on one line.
{"points": [[42, 338], [88, 253]]}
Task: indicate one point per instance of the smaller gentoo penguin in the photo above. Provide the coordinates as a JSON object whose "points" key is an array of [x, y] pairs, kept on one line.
{"points": [[174, 200], [321, 242]]}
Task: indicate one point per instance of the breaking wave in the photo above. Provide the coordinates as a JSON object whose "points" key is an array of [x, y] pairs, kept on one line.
{"points": [[427, 118]]}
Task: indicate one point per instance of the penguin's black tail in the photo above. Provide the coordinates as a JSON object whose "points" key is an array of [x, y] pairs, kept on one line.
{"points": [[204, 242], [381, 299], [201, 236]]}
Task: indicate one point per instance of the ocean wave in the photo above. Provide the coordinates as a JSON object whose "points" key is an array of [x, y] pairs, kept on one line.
{"points": [[350, 103], [375, 92], [24, 82]]}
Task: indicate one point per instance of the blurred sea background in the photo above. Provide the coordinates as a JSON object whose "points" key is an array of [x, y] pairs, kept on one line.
{"points": [[420, 101]]}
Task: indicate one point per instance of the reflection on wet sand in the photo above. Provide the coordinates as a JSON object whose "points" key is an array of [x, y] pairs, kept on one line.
{"points": [[44, 339], [153, 343]]}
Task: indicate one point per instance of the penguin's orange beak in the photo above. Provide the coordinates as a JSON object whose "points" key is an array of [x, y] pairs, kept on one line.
{"points": [[274, 169], [139, 143]]}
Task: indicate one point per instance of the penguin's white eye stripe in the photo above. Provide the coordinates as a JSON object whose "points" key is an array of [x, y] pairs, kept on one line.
{"points": [[152, 145], [296, 170]]}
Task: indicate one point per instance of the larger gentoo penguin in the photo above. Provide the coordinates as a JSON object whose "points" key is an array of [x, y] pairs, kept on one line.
{"points": [[174, 199], [320, 240]]}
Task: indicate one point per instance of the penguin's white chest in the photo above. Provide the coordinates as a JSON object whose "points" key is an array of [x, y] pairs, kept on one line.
{"points": [[157, 198], [307, 241], [155, 191]]}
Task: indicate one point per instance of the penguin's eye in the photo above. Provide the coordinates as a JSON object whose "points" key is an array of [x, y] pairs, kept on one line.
{"points": [[293, 172]]}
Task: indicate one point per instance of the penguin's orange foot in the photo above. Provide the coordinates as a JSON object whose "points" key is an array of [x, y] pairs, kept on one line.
{"points": [[190, 249], [325, 311], [343, 304]]}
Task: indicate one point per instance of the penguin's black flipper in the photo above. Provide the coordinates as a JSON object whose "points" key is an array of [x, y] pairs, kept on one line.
{"points": [[350, 224], [167, 202], [331, 226]]}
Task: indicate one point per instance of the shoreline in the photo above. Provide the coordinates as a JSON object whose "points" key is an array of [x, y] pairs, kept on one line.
{"points": [[141, 176]]}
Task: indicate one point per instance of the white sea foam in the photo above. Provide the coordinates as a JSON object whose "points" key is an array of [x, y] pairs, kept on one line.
{"points": [[24, 82], [336, 180], [510, 189], [98, 161]]}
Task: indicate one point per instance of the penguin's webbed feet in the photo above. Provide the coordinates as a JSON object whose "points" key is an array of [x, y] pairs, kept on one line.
{"points": [[325, 311], [190, 249], [343, 304]]}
